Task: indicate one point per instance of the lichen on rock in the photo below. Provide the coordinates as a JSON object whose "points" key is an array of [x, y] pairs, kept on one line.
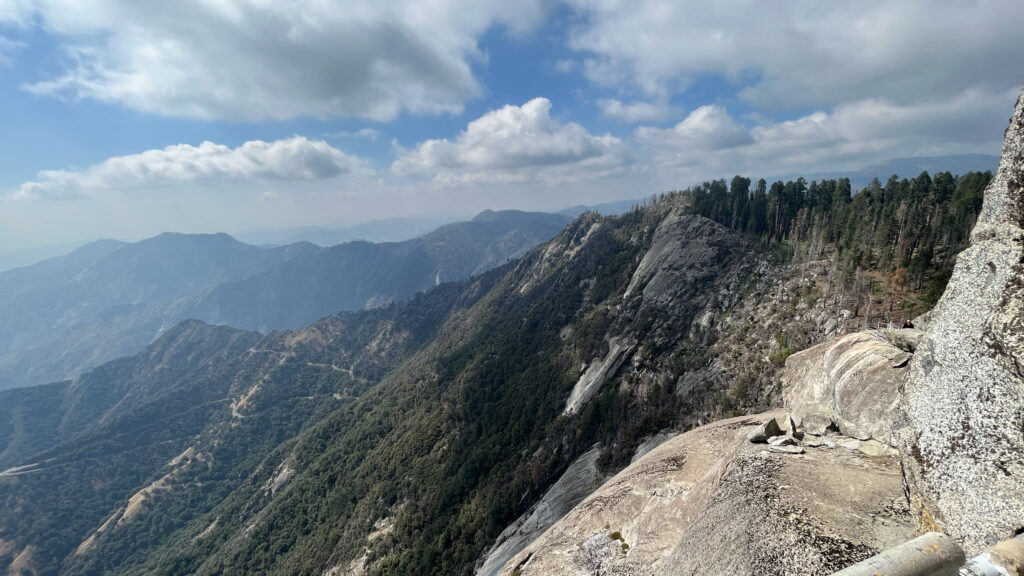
{"points": [[961, 428]]}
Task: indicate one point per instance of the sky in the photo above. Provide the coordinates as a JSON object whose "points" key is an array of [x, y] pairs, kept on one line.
{"points": [[127, 118]]}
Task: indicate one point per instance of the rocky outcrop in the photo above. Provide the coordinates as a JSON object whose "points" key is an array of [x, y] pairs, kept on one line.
{"points": [[594, 377], [962, 435], [710, 502], [651, 443], [578, 482], [851, 383], [693, 270]]}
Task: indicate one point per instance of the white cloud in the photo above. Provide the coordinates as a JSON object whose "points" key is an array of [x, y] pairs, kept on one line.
{"points": [[516, 144], [805, 53], [706, 128], [565, 66], [8, 48], [251, 60], [710, 143], [633, 112], [292, 159], [368, 133]]}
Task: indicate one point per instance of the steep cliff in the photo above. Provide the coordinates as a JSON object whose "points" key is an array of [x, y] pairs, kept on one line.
{"points": [[962, 429], [710, 502], [825, 489]]}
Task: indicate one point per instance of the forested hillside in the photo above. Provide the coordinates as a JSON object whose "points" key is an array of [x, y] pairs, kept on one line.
{"points": [[404, 440], [904, 234], [110, 299]]}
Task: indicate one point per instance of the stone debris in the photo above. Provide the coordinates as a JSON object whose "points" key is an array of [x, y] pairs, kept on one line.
{"points": [[782, 441], [812, 441], [771, 428], [757, 437]]}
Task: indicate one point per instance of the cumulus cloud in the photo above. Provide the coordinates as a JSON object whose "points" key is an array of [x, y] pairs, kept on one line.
{"points": [[516, 144], [710, 143], [252, 60], [707, 128], [794, 54], [634, 112], [292, 159]]}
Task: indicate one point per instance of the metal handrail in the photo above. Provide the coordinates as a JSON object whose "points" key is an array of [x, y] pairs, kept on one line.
{"points": [[935, 554], [931, 554]]}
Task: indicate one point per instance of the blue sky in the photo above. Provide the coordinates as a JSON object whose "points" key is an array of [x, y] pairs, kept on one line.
{"points": [[325, 114]]}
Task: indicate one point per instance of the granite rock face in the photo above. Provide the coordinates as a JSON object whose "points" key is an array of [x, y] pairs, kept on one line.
{"points": [[597, 374], [710, 502], [851, 383], [961, 430], [578, 482]]}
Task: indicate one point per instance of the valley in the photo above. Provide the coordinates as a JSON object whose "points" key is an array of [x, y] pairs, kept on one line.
{"points": [[532, 288], [443, 418], [110, 299]]}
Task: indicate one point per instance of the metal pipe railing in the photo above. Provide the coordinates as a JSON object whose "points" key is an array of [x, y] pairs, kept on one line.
{"points": [[931, 554], [935, 554]]}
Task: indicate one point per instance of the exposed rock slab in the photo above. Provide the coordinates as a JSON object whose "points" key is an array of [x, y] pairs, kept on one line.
{"points": [[962, 440], [852, 383], [682, 246], [578, 482], [651, 443], [709, 502], [597, 374], [671, 285]]}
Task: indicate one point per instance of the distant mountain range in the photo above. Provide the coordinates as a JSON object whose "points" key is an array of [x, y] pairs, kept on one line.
{"points": [[437, 435], [358, 275], [958, 164], [605, 209], [109, 299], [387, 230], [398, 229]]}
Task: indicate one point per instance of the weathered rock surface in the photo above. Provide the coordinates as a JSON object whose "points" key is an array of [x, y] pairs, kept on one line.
{"points": [[710, 502], [962, 438], [670, 287], [683, 246], [597, 374], [578, 482], [651, 443], [851, 383]]}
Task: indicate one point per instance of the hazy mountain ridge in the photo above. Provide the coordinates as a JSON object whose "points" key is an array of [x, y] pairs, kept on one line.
{"points": [[72, 313], [473, 419], [405, 439], [386, 230], [231, 397], [911, 167], [110, 299], [361, 275]]}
